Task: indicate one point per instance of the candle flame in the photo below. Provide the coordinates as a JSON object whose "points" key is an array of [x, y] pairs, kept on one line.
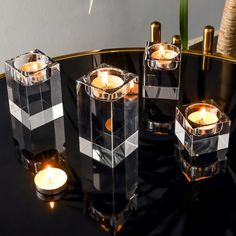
{"points": [[35, 66], [49, 174], [104, 76], [52, 205], [162, 50], [202, 114]]}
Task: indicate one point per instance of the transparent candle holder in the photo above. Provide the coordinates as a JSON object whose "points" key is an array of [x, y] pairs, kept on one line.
{"points": [[204, 166], [160, 86], [34, 89], [199, 138], [108, 117]]}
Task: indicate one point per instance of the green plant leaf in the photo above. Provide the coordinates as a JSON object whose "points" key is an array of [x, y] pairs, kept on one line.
{"points": [[183, 23], [90, 6]]}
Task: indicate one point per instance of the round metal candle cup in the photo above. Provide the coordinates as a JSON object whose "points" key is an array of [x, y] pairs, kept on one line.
{"points": [[202, 129], [158, 62], [107, 94], [50, 198], [33, 67], [42, 182]]}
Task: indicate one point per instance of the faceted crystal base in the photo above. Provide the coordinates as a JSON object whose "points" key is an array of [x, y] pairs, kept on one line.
{"points": [[203, 166], [108, 157], [158, 115]]}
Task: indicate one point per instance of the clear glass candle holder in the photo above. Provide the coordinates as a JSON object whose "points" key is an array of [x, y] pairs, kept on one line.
{"points": [[34, 89], [202, 127], [108, 114], [160, 86], [35, 101]]}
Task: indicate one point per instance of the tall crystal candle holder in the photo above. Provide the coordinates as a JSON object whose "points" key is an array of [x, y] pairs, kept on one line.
{"points": [[107, 100], [203, 133], [160, 87], [35, 101]]}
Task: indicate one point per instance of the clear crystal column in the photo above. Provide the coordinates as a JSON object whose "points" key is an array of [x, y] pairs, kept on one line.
{"points": [[108, 115], [35, 101], [160, 87]]}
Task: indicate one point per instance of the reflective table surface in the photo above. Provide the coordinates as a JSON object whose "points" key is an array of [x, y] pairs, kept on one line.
{"points": [[143, 196]]}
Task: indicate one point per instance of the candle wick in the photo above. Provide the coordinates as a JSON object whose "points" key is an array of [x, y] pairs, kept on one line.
{"points": [[50, 180]]}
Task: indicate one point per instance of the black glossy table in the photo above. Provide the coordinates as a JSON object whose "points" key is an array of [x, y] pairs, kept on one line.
{"points": [[165, 202]]}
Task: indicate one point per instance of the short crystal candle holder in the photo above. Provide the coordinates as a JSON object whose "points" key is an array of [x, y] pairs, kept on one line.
{"points": [[34, 89], [160, 86], [107, 103], [204, 166], [202, 127]]}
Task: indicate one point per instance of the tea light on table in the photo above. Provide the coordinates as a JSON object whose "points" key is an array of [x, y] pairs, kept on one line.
{"points": [[164, 56], [50, 181], [104, 82]]}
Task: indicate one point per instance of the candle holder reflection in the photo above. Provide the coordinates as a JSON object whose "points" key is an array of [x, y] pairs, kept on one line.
{"points": [[51, 201], [110, 193], [160, 87], [200, 135], [204, 166], [36, 163], [107, 104]]}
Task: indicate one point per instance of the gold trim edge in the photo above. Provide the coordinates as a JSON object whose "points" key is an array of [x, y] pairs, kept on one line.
{"points": [[139, 49]]}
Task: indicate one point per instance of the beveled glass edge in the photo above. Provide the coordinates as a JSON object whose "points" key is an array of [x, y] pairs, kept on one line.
{"points": [[193, 129], [176, 49], [125, 75], [138, 49]]}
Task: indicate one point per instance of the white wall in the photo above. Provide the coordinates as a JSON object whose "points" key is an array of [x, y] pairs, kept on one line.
{"points": [[63, 26]]}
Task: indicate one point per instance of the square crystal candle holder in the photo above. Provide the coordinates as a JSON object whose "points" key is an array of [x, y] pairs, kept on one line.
{"points": [[202, 128], [160, 85], [107, 103], [34, 89]]}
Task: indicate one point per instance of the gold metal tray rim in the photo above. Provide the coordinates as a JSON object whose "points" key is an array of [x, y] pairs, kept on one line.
{"points": [[117, 50]]}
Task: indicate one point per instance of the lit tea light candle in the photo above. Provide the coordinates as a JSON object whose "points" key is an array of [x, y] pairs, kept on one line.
{"points": [[105, 82], [50, 181], [164, 55], [203, 117], [34, 67]]}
